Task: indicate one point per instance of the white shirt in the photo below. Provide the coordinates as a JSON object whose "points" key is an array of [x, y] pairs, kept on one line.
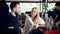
{"points": [[29, 24]]}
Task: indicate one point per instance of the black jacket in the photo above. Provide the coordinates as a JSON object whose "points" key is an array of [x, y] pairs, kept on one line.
{"points": [[55, 15], [13, 22]]}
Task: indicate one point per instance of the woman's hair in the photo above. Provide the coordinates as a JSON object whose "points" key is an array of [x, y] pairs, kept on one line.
{"points": [[34, 8], [35, 16]]}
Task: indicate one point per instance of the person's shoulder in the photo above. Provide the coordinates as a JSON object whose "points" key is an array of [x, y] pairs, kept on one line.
{"points": [[10, 16], [40, 18], [42, 21]]}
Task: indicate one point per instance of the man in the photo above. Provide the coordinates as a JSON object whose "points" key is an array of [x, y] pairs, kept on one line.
{"points": [[15, 9], [55, 14]]}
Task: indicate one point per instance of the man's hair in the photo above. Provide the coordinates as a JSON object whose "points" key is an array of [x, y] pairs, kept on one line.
{"points": [[13, 4], [34, 8], [57, 4]]}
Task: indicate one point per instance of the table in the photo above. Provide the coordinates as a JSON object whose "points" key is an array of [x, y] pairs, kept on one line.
{"points": [[52, 32]]}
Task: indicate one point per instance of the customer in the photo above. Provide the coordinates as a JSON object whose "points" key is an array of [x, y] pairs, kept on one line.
{"points": [[33, 21], [15, 9]]}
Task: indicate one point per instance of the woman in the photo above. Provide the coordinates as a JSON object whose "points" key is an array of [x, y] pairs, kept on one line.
{"points": [[33, 21]]}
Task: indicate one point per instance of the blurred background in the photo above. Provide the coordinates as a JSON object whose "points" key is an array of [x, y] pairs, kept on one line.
{"points": [[46, 9]]}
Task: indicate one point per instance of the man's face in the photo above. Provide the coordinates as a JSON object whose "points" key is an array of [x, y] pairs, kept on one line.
{"points": [[58, 7], [17, 8], [34, 12]]}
